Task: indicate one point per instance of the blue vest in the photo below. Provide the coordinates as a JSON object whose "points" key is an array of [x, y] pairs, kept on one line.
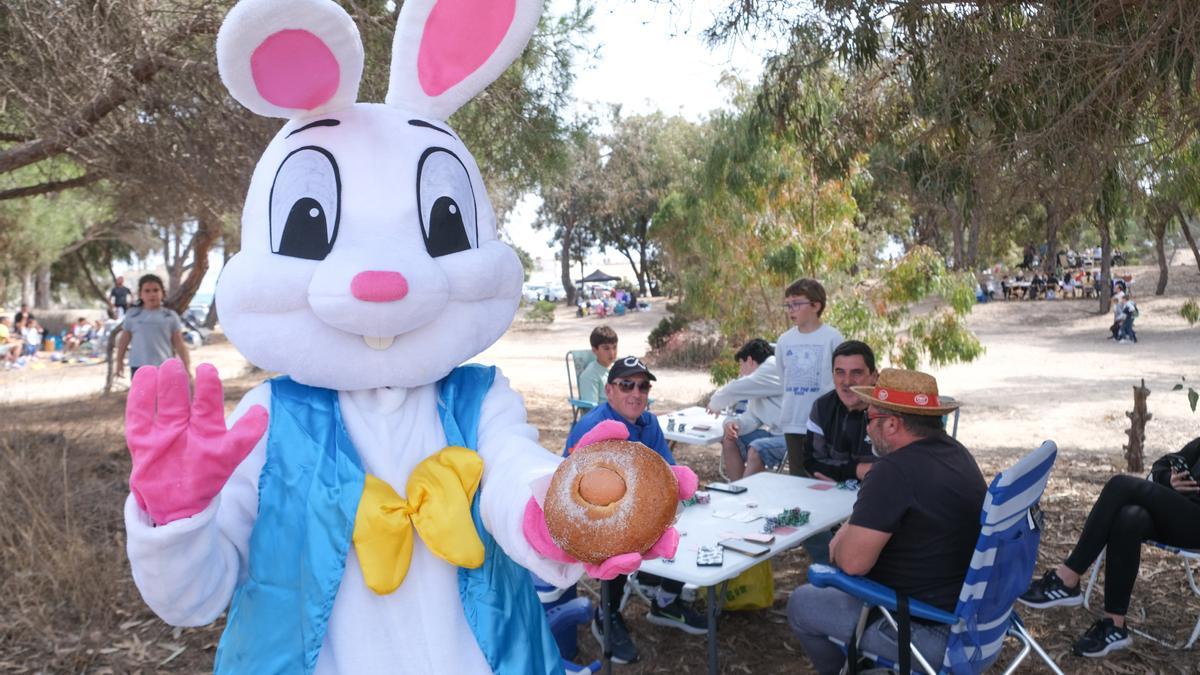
{"points": [[308, 495]]}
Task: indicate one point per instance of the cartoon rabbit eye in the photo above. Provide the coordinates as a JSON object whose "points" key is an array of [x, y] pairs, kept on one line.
{"points": [[446, 203], [305, 204]]}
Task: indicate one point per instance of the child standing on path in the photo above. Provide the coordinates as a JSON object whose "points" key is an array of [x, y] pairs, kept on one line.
{"points": [[153, 331], [805, 357]]}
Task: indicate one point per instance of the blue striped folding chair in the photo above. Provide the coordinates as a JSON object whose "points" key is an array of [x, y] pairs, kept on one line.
{"points": [[1001, 567]]}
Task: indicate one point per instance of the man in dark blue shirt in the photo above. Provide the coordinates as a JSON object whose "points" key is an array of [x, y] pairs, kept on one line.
{"points": [[628, 392]]}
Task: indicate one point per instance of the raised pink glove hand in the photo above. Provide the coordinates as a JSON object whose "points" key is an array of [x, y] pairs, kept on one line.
{"points": [[183, 455]]}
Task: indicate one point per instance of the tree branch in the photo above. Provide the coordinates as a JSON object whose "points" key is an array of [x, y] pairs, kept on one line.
{"points": [[51, 186]]}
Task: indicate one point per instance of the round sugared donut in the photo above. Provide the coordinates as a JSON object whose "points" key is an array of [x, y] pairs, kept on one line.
{"points": [[610, 498]]}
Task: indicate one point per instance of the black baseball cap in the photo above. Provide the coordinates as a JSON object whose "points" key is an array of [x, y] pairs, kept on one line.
{"points": [[630, 365]]}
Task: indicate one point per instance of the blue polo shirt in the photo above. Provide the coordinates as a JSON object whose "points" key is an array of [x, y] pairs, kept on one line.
{"points": [[644, 430]]}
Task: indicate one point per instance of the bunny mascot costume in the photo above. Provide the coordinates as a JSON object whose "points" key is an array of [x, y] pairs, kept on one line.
{"points": [[375, 509]]}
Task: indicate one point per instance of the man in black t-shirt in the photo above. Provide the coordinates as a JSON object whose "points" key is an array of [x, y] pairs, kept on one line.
{"points": [[913, 528]]}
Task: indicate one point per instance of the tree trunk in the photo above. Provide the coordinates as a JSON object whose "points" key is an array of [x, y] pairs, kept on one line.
{"points": [[977, 218], [1105, 293], [27, 287], [1185, 224], [1134, 454], [1054, 218], [1160, 234], [208, 231], [41, 286], [565, 265], [957, 229]]}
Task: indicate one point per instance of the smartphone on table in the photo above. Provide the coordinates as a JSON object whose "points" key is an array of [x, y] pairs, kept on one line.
{"points": [[727, 487]]}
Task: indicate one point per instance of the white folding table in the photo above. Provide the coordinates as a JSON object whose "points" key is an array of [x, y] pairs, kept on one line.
{"points": [[767, 494], [698, 426]]}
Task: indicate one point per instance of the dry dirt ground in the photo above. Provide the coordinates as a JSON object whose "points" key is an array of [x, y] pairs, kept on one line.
{"points": [[69, 604]]}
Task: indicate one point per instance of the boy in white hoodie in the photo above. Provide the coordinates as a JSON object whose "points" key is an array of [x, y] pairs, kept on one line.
{"points": [[753, 440]]}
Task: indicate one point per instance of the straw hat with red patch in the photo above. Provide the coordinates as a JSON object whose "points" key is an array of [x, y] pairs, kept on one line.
{"points": [[906, 391]]}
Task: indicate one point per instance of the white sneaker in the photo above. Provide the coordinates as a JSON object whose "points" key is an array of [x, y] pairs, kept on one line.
{"points": [[1124, 341]]}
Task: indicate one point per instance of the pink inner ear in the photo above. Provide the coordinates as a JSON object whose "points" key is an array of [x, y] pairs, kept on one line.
{"points": [[295, 69], [459, 37]]}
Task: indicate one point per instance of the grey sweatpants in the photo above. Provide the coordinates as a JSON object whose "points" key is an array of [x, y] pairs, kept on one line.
{"points": [[815, 614]]}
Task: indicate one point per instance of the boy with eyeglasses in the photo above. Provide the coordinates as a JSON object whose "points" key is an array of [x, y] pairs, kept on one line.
{"points": [[628, 392], [804, 354]]}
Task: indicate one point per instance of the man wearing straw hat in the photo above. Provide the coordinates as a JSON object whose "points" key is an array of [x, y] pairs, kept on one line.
{"points": [[913, 527]]}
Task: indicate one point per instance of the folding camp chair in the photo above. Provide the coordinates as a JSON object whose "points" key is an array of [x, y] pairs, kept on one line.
{"points": [[1000, 569], [577, 360], [1187, 557]]}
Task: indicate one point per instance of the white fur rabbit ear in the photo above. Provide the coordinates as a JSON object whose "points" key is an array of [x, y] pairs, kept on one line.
{"points": [[290, 58], [447, 51]]}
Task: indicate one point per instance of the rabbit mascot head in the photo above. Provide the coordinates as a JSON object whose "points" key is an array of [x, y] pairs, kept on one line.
{"points": [[369, 253]]}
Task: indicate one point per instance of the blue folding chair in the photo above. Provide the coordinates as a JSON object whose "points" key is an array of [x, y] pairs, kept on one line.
{"points": [[1001, 567], [577, 360]]}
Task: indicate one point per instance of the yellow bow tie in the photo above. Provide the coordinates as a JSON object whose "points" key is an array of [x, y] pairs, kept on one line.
{"points": [[439, 491]]}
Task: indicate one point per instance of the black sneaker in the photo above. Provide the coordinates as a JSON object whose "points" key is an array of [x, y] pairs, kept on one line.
{"points": [[1050, 591], [1103, 637], [623, 649], [678, 615]]}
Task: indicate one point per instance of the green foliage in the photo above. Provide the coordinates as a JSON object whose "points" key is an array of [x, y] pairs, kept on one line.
{"points": [[541, 311], [1190, 311], [1192, 395], [668, 326], [724, 368]]}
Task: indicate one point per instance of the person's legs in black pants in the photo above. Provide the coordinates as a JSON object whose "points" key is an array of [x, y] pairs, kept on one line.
{"points": [[795, 454]]}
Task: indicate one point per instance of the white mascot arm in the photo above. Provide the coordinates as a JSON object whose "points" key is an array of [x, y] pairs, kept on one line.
{"points": [[188, 569], [512, 461]]}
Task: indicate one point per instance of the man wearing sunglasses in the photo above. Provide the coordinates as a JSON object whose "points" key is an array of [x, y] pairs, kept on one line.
{"points": [[628, 391]]}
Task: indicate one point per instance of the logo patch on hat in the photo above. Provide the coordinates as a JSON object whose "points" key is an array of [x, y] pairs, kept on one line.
{"points": [[921, 399], [883, 394]]}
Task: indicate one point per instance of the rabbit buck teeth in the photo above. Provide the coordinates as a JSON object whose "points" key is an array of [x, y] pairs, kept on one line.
{"points": [[379, 343]]}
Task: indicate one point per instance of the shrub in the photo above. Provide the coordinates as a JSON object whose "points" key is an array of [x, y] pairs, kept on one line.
{"points": [[670, 325], [541, 311]]}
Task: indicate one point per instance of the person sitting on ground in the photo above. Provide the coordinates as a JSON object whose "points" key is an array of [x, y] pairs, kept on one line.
{"points": [[22, 316], [32, 333], [10, 346], [628, 392], [753, 440], [79, 333], [594, 377], [913, 527], [1130, 511]]}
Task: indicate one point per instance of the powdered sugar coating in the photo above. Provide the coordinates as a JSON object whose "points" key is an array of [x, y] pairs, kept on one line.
{"points": [[633, 523]]}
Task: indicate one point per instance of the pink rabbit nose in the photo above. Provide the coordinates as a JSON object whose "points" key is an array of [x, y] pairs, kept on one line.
{"points": [[379, 286]]}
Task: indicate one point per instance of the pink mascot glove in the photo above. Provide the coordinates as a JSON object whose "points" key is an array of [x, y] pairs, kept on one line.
{"points": [[182, 458], [538, 535]]}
